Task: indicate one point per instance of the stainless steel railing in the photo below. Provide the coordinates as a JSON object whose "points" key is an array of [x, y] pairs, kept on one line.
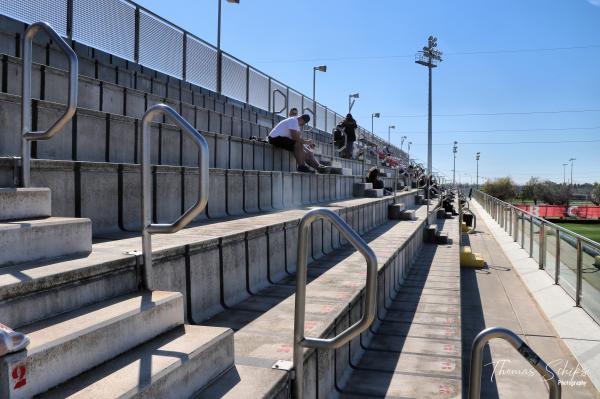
{"points": [[27, 134], [11, 341], [285, 99], [150, 228], [580, 244], [524, 350], [370, 300]]}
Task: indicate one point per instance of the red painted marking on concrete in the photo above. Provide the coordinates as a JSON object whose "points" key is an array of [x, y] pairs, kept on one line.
{"points": [[448, 348], [19, 374], [326, 309], [309, 325], [285, 348], [445, 389], [447, 366]]}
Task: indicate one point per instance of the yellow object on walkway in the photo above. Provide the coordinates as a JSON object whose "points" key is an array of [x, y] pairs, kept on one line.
{"points": [[468, 258], [597, 260]]}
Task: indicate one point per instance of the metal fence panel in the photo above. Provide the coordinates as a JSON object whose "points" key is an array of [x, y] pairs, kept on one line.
{"points": [[112, 30], [277, 100], [295, 100], [161, 45], [258, 90], [321, 117], [201, 64], [234, 79], [330, 120], [29, 11]]}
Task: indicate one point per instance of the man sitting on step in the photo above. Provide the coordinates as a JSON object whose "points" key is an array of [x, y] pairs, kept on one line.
{"points": [[287, 135]]}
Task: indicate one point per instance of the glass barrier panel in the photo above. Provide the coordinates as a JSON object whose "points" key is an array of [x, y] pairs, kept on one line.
{"points": [[590, 292]]}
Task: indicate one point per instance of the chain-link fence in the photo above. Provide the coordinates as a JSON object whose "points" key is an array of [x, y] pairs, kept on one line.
{"points": [[127, 30]]}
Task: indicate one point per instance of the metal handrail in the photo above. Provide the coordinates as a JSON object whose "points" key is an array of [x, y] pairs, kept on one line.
{"points": [[545, 222], [284, 98], [469, 212], [513, 339], [150, 228], [26, 132], [370, 300], [11, 341]]}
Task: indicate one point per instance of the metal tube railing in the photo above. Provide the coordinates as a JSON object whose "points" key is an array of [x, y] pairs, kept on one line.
{"points": [[285, 105], [370, 298], [524, 350], [11, 341], [26, 133], [574, 239], [150, 228]]}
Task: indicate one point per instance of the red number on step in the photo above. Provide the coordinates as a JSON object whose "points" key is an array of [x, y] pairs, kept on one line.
{"points": [[19, 374]]}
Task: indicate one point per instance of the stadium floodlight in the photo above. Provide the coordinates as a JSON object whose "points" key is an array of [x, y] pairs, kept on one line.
{"points": [[320, 68]]}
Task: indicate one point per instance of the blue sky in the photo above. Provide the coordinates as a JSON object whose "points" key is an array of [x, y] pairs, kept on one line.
{"points": [[510, 56]]}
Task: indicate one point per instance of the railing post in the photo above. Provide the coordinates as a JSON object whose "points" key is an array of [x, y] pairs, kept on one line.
{"points": [[523, 230], [516, 224], [579, 273], [542, 246], [531, 236], [557, 258]]}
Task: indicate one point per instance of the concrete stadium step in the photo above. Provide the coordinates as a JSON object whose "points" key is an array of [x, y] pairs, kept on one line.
{"points": [[24, 203], [416, 348], [267, 383], [67, 345], [227, 260], [374, 193], [35, 239], [176, 364], [263, 324]]}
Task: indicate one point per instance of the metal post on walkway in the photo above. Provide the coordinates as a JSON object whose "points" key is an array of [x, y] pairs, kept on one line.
{"points": [[523, 230], [557, 256], [531, 236], [542, 248], [579, 273]]}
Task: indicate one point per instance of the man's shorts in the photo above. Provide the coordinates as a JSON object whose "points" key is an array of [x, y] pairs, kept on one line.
{"points": [[282, 142]]}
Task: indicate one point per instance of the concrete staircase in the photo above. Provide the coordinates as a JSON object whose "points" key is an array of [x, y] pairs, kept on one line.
{"points": [[76, 324]]}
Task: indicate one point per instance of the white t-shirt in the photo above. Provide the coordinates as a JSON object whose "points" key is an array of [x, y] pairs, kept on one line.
{"points": [[285, 128]]}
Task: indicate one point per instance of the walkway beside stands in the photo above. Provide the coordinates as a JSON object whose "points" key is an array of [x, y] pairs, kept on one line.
{"points": [[415, 351], [497, 296]]}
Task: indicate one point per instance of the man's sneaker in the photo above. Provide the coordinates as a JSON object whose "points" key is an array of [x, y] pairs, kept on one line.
{"points": [[324, 169], [304, 169], [326, 163]]}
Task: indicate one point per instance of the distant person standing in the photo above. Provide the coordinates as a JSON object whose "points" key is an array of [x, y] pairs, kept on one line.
{"points": [[293, 112], [470, 193], [349, 125]]}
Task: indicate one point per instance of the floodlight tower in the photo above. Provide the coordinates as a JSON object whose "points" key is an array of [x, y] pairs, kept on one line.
{"points": [[430, 57], [571, 160], [402, 142], [454, 150], [565, 173], [477, 159], [320, 68]]}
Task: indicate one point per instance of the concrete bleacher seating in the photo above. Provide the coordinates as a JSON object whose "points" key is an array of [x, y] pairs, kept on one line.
{"points": [[221, 310]]}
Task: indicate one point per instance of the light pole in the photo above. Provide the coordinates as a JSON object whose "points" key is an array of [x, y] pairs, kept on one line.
{"points": [[565, 173], [373, 116], [219, 53], [571, 160], [477, 181], [390, 127], [408, 152], [351, 100], [402, 142], [454, 150], [320, 68]]}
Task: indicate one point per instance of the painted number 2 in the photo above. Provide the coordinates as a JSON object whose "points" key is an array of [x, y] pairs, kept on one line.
{"points": [[19, 374]]}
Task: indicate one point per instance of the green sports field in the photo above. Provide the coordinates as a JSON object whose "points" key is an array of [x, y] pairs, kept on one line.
{"points": [[591, 231]]}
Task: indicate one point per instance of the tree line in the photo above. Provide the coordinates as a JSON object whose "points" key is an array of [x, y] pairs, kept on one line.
{"points": [[536, 190]]}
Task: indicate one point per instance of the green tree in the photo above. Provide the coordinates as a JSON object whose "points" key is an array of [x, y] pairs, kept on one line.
{"points": [[596, 193], [502, 188]]}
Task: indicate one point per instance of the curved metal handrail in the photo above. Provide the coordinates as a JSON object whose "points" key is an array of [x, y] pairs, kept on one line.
{"points": [[26, 132], [370, 300], [469, 212], [11, 341], [513, 339], [285, 105], [150, 228]]}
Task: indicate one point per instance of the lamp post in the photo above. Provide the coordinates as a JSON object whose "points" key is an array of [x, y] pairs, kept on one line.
{"points": [[390, 127], [364, 165], [571, 160], [320, 68], [219, 53], [351, 100], [408, 152], [477, 181], [402, 141], [565, 173], [454, 150]]}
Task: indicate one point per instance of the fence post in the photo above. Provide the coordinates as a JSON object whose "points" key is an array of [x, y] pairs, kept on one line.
{"points": [[557, 251], [542, 248], [579, 273], [136, 44], [531, 236]]}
